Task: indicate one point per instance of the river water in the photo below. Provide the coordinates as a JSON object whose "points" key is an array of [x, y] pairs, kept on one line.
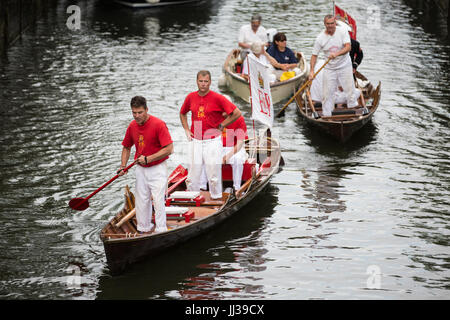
{"points": [[365, 220]]}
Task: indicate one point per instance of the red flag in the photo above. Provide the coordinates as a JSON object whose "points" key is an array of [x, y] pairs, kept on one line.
{"points": [[340, 14]]}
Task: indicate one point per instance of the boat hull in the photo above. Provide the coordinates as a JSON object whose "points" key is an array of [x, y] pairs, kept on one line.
{"points": [[149, 4], [121, 253]]}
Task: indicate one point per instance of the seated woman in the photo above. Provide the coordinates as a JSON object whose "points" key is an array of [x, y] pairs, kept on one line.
{"points": [[283, 55]]}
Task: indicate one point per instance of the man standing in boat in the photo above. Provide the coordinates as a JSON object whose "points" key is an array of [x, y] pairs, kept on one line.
{"points": [[335, 42], [153, 144], [205, 134]]}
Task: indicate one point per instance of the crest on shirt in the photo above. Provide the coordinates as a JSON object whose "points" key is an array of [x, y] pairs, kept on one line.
{"points": [[141, 142], [201, 112]]}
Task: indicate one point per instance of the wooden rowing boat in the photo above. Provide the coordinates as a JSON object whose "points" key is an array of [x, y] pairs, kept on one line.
{"points": [[151, 3], [189, 214], [344, 122], [280, 90]]}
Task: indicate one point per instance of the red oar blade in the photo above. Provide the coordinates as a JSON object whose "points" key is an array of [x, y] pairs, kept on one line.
{"points": [[79, 204]]}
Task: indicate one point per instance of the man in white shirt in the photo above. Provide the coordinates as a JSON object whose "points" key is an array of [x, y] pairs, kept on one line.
{"points": [[250, 33], [335, 42]]}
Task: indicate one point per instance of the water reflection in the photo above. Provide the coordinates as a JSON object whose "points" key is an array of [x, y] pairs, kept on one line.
{"points": [[429, 15], [325, 191], [325, 144], [204, 267]]}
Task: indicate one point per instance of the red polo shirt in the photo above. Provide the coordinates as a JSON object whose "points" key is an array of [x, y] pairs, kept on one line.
{"points": [[206, 112], [148, 139]]}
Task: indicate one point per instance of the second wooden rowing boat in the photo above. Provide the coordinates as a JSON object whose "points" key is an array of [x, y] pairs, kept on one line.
{"points": [[344, 122], [188, 213]]}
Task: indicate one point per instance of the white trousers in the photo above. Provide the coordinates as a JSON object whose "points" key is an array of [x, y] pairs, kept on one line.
{"points": [[237, 164], [206, 153], [331, 79], [151, 181]]}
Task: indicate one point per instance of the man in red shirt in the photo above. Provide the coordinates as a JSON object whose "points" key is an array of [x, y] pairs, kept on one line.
{"points": [[153, 144], [205, 147]]}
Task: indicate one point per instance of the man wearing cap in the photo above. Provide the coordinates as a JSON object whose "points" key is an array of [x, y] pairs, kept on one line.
{"points": [[250, 33], [335, 42]]}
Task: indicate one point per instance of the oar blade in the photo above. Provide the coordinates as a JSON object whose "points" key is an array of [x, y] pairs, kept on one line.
{"points": [[79, 204]]}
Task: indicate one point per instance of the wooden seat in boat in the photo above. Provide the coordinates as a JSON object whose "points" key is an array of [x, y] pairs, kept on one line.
{"points": [[188, 197]]}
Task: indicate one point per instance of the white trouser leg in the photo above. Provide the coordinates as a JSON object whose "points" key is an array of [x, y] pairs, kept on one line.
{"points": [[143, 201], [195, 151], [345, 78], [212, 158], [237, 163], [157, 176], [329, 87], [203, 179], [151, 181]]}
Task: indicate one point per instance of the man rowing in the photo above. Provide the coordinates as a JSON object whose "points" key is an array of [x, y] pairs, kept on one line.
{"points": [[153, 145], [335, 42]]}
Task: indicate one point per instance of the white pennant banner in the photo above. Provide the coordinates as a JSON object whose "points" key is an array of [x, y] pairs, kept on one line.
{"points": [[262, 107]]}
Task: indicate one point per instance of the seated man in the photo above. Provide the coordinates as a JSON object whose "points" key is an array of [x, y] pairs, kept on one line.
{"points": [[233, 151], [250, 33], [261, 55], [283, 55], [340, 98]]}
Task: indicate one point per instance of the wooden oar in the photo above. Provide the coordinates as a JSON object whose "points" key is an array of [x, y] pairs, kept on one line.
{"points": [[129, 215], [82, 203], [314, 114], [307, 83]]}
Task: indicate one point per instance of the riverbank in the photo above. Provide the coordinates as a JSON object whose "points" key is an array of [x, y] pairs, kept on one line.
{"points": [[19, 15]]}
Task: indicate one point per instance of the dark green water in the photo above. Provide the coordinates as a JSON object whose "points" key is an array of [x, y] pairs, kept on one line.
{"points": [[331, 218]]}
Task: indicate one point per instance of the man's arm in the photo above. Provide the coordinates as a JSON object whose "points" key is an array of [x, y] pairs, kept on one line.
{"points": [[184, 123], [123, 160], [232, 117], [161, 154], [273, 61], [344, 50], [244, 45]]}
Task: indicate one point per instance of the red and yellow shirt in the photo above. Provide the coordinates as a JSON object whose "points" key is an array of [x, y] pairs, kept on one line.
{"points": [[148, 138], [206, 113]]}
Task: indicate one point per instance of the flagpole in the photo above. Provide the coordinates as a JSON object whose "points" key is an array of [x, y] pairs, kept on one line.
{"points": [[334, 6], [251, 100]]}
